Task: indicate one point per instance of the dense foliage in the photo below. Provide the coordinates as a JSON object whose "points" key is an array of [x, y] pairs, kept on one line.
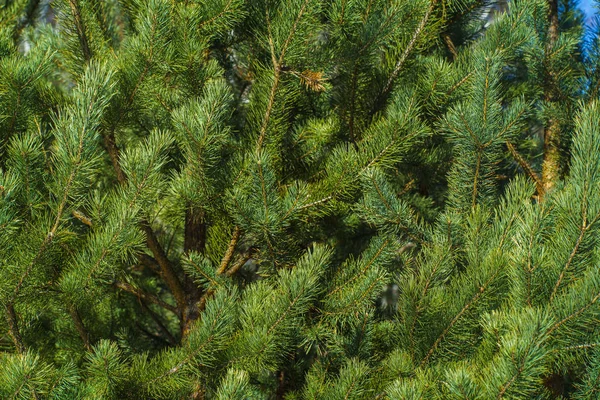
{"points": [[299, 199]]}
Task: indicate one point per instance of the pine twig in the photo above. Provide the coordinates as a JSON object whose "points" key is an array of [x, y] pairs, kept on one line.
{"points": [[142, 295], [13, 328], [170, 338], [527, 168], [239, 264], [450, 45], [149, 262], [409, 48], [83, 40], [230, 249], [167, 272], [83, 333]]}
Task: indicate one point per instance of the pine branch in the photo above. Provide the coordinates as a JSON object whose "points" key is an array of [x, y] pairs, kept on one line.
{"points": [[573, 315], [582, 230], [195, 352], [167, 271], [418, 307], [364, 270], [170, 338], [316, 203], [83, 333], [460, 83], [457, 317], [239, 264], [142, 295], [149, 262], [152, 242], [109, 137], [526, 167], [83, 40], [68, 185], [216, 17], [409, 47], [277, 63], [27, 19], [13, 328], [450, 45], [235, 237], [504, 388]]}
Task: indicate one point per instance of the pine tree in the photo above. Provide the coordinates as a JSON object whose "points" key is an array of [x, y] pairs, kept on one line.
{"points": [[298, 199]]}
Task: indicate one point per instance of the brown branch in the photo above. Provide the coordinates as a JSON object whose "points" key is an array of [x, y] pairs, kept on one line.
{"points": [[82, 218], [239, 264], [149, 262], [113, 153], [527, 168], [476, 179], [167, 271], [460, 83], [194, 238], [267, 117], [235, 237], [13, 328], [315, 203], [142, 295], [83, 333], [450, 45], [170, 338]]}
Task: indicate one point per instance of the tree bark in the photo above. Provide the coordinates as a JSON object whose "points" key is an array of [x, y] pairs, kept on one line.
{"points": [[194, 240], [552, 132]]}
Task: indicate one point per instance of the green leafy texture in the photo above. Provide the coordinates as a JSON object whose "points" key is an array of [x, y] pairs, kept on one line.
{"points": [[579, 206], [350, 384], [386, 144], [117, 239], [478, 129], [175, 372], [202, 134], [519, 367], [358, 282], [202, 270], [25, 376], [305, 199], [105, 371], [25, 94], [74, 161], [381, 207], [589, 387], [270, 315], [236, 386]]}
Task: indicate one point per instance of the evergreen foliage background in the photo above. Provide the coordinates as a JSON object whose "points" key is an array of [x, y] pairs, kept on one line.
{"points": [[299, 199]]}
